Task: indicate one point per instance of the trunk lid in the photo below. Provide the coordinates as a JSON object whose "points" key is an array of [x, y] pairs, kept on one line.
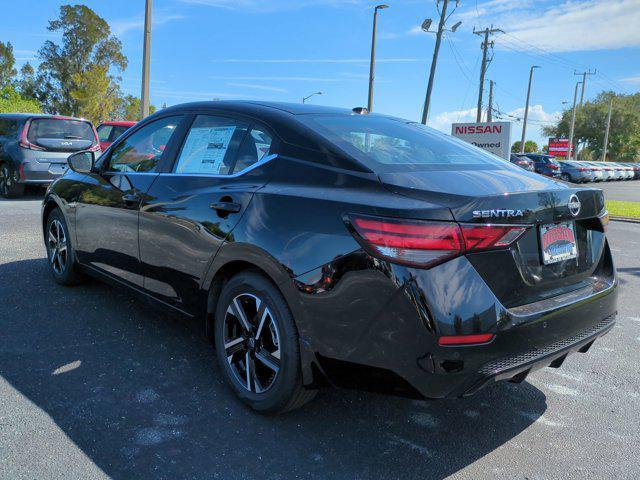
{"points": [[517, 275]]}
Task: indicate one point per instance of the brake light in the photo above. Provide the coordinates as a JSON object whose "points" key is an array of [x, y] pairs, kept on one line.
{"points": [[96, 147], [428, 243], [582, 169], [553, 167], [23, 142], [465, 339]]}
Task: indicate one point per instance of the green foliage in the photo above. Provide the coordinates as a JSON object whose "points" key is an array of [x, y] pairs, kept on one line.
{"points": [[26, 84], [591, 121], [529, 146], [7, 62], [67, 70], [96, 93], [130, 108], [13, 102]]}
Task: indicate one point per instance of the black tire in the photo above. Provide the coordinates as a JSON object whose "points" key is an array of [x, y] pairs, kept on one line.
{"points": [[9, 186], [61, 257], [566, 177], [264, 389]]}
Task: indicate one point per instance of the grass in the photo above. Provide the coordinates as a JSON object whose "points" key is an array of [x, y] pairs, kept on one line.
{"points": [[623, 209]]}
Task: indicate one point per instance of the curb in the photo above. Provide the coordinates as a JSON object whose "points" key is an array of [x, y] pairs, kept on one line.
{"points": [[624, 219]]}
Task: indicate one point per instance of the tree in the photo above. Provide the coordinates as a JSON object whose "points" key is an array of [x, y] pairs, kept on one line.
{"points": [[7, 62], [96, 94], [26, 84], [87, 46], [130, 108], [591, 120], [529, 146], [12, 102]]}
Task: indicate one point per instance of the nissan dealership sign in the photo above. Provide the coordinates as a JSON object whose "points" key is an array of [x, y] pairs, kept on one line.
{"points": [[494, 137]]}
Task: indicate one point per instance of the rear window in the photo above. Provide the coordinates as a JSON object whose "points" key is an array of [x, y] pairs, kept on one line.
{"points": [[387, 144], [117, 131], [58, 128]]}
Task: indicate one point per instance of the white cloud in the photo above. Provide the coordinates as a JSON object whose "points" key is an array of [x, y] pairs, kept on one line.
{"points": [[121, 27], [443, 120], [561, 27], [255, 86], [320, 60], [633, 80]]}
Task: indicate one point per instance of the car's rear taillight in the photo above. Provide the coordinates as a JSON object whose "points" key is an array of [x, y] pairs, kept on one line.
{"points": [[96, 146], [479, 338], [428, 243], [553, 167], [582, 169], [23, 142]]}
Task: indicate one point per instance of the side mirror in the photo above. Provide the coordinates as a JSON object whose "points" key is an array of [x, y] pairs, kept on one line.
{"points": [[82, 162]]}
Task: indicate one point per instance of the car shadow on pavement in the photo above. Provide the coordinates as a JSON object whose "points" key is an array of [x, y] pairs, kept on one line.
{"points": [[140, 394]]}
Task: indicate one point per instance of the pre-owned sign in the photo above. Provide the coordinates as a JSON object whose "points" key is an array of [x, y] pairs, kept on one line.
{"points": [[495, 137]]}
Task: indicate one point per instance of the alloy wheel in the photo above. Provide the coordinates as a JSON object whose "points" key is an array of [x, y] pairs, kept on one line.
{"points": [[252, 343], [57, 246]]}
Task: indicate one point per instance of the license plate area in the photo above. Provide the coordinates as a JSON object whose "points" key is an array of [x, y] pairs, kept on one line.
{"points": [[558, 242]]}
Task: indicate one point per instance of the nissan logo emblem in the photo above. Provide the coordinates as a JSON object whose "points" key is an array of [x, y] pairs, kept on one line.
{"points": [[574, 205]]}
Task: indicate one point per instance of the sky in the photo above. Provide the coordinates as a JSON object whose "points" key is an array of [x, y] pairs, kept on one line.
{"points": [[283, 50]]}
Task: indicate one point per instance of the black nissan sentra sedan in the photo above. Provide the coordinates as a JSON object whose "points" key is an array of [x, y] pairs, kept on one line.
{"points": [[321, 246]]}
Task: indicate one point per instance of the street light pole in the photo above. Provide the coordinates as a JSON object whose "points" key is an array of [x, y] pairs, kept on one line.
{"points": [[146, 60], [526, 109], [304, 99], [573, 121], [372, 65], [606, 132], [434, 61]]}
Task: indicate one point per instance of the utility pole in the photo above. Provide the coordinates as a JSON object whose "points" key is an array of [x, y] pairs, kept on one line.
{"points": [[146, 60], [490, 106], [584, 81], [573, 121], [432, 73], [483, 69], [606, 132], [372, 65], [526, 109]]}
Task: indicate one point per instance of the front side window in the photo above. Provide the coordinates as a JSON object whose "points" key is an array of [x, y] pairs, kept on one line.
{"points": [[212, 146], [387, 144], [142, 151]]}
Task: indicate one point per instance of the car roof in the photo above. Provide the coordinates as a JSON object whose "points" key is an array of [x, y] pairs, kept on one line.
{"points": [[260, 107], [21, 116], [120, 123]]}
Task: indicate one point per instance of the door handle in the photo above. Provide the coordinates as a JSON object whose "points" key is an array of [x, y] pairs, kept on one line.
{"points": [[226, 207], [130, 198]]}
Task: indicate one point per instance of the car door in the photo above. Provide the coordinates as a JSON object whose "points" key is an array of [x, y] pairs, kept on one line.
{"points": [[107, 208], [191, 209]]}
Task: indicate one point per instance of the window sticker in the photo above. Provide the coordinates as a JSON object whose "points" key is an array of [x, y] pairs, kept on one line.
{"points": [[205, 149]]}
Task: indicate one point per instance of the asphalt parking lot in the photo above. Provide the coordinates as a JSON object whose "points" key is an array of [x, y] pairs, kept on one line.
{"points": [[94, 384], [625, 190]]}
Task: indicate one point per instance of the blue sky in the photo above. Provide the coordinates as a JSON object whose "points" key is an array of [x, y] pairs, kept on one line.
{"points": [[284, 49]]}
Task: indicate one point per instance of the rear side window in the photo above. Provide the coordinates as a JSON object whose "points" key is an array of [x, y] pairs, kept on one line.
{"points": [[117, 131], [387, 144], [212, 146], [57, 128]]}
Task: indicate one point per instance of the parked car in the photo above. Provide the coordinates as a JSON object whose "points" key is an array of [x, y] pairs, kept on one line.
{"points": [[545, 164], [608, 172], [34, 148], [619, 170], [323, 247], [597, 171], [636, 171], [109, 131], [629, 173], [522, 162], [575, 172]]}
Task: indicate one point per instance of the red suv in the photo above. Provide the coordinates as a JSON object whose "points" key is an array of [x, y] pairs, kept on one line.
{"points": [[109, 131]]}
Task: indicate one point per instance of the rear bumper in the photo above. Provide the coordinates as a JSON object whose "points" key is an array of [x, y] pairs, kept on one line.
{"points": [[41, 172], [378, 328]]}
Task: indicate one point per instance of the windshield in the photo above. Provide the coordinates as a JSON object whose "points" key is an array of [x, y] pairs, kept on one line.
{"points": [[391, 145]]}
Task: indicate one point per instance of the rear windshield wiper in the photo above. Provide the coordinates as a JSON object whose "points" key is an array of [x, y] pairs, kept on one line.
{"points": [[73, 137]]}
